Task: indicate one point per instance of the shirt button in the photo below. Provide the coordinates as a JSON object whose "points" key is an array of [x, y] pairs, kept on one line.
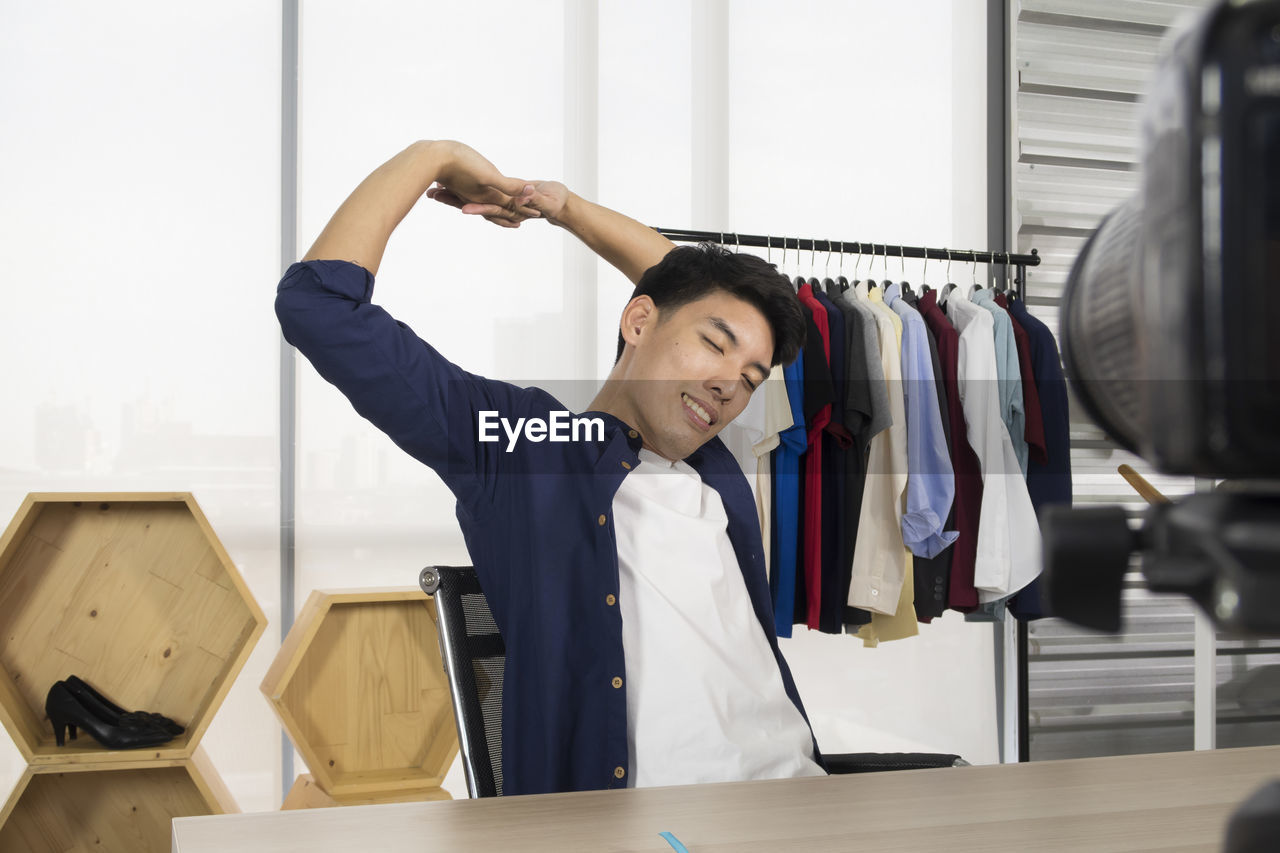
{"points": [[873, 592], [631, 434], [601, 520], [617, 682], [626, 465], [610, 600], [619, 772]]}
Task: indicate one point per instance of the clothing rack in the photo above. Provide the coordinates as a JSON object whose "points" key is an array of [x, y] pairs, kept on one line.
{"points": [[1019, 261], [725, 238]]}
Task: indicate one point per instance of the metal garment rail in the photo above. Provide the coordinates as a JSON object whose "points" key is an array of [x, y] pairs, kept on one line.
{"points": [[1020, 262], [844, 247]]}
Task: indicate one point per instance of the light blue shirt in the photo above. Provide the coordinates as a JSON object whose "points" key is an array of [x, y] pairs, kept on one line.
{"points": [[1010, 373], [931, 481]]}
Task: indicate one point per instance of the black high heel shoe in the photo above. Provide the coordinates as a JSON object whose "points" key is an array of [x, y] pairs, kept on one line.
{"points": [[66, 712], [112, 713]]}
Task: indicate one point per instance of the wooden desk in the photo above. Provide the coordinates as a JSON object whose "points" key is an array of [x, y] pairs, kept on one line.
{"points": [[1166, 802]]}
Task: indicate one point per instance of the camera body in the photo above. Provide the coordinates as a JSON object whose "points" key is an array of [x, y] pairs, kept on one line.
{"points": [[1172, 311]]}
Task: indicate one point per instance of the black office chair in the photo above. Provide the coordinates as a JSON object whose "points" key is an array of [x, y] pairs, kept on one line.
{"points": [[474, 658]]}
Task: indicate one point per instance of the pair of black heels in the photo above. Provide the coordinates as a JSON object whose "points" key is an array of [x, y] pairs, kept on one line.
{"points": [[73, 703]]}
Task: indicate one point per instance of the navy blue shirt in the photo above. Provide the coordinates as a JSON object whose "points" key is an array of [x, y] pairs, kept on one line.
{"points": [[537, 520], [1048, 482]]}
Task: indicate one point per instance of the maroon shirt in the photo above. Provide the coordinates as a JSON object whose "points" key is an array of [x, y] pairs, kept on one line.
{"points": [[811, 523], [1034, 431], [968, 502]]}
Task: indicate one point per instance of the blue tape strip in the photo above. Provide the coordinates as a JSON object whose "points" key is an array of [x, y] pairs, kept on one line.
{"points": [[674, 842]]}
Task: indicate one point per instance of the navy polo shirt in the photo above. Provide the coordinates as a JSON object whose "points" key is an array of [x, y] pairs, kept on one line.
{"points": [[537, 520]]}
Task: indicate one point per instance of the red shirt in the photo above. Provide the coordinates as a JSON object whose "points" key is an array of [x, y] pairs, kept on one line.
{"points": [[968, 502], [811, 524]]}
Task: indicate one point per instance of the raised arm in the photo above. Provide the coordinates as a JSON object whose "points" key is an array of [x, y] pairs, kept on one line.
{"points": [[361, 227], [629, 245]]}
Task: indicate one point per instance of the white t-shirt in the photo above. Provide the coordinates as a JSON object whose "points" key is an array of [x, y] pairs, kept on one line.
{"points": [[705, 700]]}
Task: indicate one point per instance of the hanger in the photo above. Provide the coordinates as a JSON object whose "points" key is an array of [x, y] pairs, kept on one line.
{"points": [[813, 262], [828, 283], [799, 281], [949, 286], [902, 263], [974, 287], [924, 272], [841, 280]]}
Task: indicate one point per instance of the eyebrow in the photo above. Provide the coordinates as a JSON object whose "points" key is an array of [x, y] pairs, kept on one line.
{"points": [[721, 325]]}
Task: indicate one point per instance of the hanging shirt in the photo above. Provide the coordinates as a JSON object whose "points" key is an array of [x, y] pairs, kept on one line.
{"points": [[777, 417], [1048, 483], [931, 483], [704, 703], [837, 443], [1036, 451], [866, 415], [961, 594], [1008, 554], [881, 562], [811, 522], [1010, 374], [933, 574], [786, 500]]}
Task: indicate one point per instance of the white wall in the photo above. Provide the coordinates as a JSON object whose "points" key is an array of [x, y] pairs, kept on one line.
{"points": [[139, 214]]}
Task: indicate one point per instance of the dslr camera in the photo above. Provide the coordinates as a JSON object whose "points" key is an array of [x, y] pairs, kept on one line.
{"points": [[1171, 337]]}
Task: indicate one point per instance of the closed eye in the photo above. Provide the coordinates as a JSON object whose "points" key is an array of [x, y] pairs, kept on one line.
{"points": [[713, 345]]}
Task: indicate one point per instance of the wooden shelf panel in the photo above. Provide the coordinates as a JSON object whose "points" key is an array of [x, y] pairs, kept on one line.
{"points": [[360, 687], [306, 794], [132, 593], [109, 807]]}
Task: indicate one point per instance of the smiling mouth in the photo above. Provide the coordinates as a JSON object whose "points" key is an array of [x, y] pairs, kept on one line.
{"points": [[699, 411]]}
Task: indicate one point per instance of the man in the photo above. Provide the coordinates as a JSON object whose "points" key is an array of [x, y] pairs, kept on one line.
{"points": [[641, 537]]}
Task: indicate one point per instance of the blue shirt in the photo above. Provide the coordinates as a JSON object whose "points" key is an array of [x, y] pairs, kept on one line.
{"points": [[792, 442], [537, 520], [931, 481], [1009, 371]]}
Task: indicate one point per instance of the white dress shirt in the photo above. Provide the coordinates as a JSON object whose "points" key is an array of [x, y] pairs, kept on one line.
{"points": [[705, 700], [1008, 556]]}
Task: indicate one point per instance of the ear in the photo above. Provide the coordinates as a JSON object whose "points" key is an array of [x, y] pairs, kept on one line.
{"points": [[639, 315]]}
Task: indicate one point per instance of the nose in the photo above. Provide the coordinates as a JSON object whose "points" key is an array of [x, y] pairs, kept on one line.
{"points": [[724, 389]]}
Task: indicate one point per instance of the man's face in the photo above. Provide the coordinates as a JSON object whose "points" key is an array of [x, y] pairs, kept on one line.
{"points": [[693, 371]]}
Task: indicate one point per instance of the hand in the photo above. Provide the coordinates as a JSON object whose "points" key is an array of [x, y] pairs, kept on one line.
{"points": [[468, 181], [542, 198]]}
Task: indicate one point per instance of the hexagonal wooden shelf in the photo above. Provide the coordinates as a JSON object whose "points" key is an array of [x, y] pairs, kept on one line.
{"points": [[360, 687], [133, 593], [306, 794], [127, 806]]}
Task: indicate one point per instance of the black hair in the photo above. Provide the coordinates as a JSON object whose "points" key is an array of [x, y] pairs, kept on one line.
{"points": [[688, 273]]}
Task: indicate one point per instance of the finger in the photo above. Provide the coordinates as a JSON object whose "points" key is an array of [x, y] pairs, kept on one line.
{"points": [[510, 186], [507, 212], [445, 196], [505, 223]]}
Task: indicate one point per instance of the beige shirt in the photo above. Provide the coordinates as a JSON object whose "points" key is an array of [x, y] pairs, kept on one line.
{"points": [[777, 418], [881, 563]]}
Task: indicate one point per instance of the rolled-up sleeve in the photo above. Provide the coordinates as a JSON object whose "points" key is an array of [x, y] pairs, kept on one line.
{"points": [[426, 404]]}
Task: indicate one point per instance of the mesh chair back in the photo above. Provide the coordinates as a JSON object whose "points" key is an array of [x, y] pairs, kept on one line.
{"points": [[474, 660]]}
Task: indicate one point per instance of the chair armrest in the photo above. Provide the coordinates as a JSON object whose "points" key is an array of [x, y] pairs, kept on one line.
{"points": [[873, 762]]}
